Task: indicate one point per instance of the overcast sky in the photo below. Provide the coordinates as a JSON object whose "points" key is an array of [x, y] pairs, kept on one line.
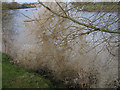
{"points": [[61, 0], [24, 0]]}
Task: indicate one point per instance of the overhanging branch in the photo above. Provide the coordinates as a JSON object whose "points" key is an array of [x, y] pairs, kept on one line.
{"points": [[75, 21]]}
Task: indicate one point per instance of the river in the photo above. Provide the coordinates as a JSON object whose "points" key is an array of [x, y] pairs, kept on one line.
{"points": [[13, 20]]}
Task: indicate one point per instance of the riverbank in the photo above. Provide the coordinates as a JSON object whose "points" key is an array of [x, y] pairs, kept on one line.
{"points": [[97, 7], [17, 77], [80, 6], [15, 5], [16, 8]]}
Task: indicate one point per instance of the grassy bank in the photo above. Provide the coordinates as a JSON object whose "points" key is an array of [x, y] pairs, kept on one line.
{"points": [[104, 7], [15, 5], [17, 77], [0, 72]]}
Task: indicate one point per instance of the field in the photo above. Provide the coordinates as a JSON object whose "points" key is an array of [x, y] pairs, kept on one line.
{"points": [[105, 7], [16, 77]]}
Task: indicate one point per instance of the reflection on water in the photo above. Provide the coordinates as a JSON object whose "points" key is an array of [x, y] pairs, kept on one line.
{"points": [[13, 20]]}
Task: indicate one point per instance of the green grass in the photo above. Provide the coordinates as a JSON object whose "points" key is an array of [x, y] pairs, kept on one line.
{"points": [[0, 72], [17, 77], [106, 8], [98, 7]]}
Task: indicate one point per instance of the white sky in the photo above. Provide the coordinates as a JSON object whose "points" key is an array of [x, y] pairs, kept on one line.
{"points": [[60, 0], [25, 0]]}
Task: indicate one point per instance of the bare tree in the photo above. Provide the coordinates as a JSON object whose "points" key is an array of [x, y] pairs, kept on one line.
{"points": [[62, 29]]}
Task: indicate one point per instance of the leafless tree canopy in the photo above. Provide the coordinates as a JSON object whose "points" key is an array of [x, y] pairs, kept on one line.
{"points": [[78, 48]]}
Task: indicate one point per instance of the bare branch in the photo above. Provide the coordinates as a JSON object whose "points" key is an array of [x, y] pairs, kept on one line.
{"points": [[61, 8], [75, 21]]}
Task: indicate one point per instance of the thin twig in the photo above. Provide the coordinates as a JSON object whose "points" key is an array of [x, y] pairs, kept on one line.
{"points": [[75, 21]]}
